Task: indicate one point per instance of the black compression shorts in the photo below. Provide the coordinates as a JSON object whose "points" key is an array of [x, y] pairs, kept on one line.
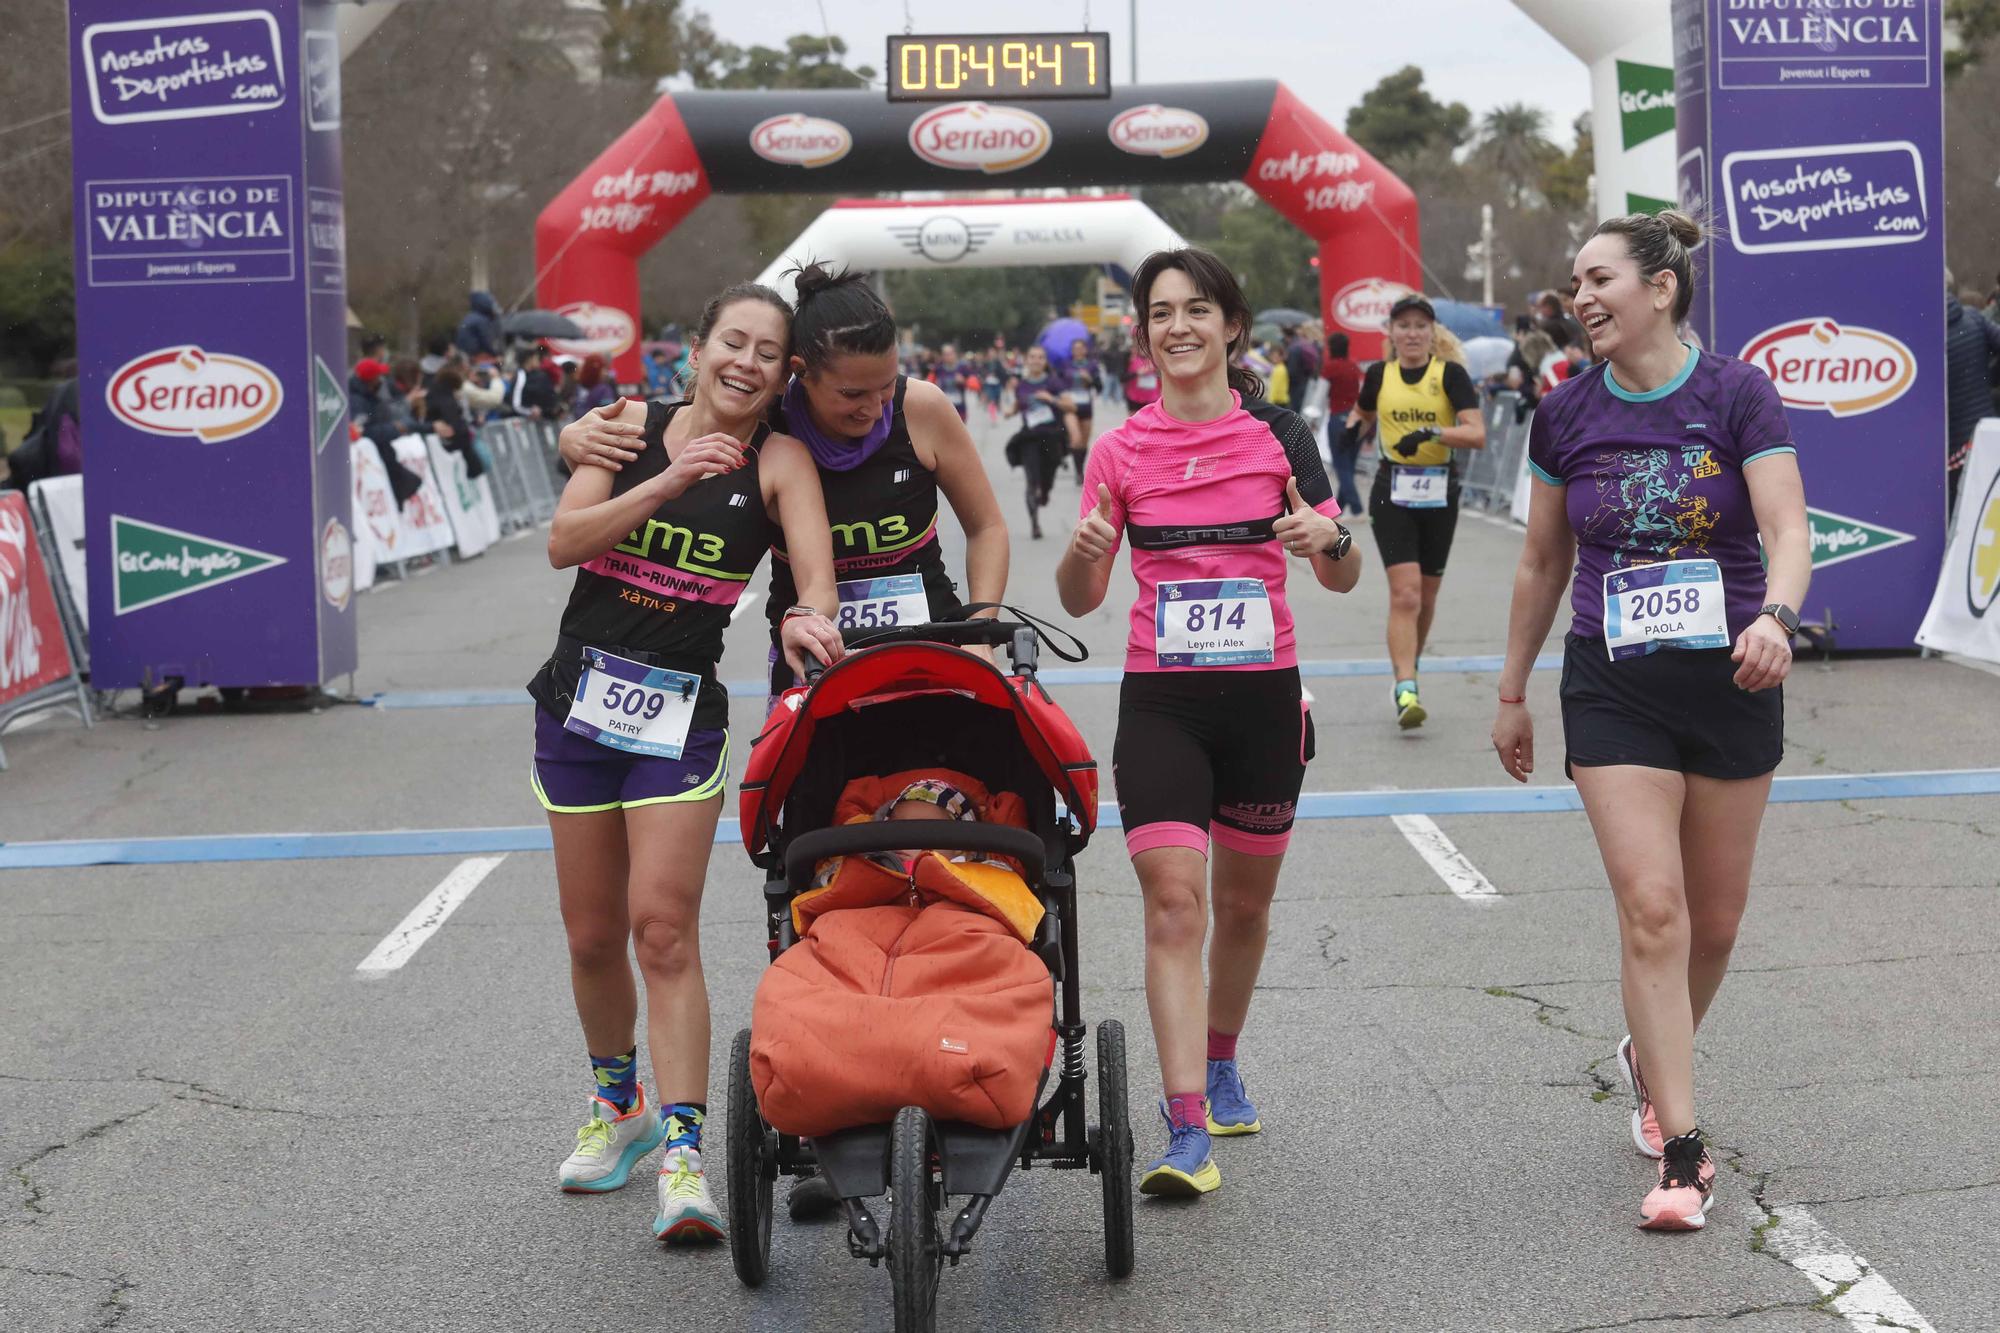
{"points": [[1405, 535], [1210, 754], [1677, 709]]}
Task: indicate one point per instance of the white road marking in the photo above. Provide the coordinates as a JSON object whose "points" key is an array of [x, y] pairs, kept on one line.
{"points": [[1860, 1295], [743, 603], [402, 943], [1459, 875]]}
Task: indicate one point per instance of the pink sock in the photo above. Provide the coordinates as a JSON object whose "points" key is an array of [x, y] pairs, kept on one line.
{"points": [[1187, 1109], [1221, 1045]]}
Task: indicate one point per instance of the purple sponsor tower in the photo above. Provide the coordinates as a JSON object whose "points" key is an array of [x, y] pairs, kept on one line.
{"points": [[1812, 132], [211, 294]]}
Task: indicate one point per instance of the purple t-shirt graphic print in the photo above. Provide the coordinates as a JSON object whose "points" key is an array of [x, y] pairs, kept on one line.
{"points": [[1657, 476]]}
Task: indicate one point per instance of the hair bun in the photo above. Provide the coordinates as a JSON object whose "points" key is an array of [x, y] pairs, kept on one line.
{"points": [[1685, 228], [812, 277]]}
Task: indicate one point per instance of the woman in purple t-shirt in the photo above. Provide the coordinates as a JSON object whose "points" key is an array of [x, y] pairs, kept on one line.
{"points": [[1658, 471]]}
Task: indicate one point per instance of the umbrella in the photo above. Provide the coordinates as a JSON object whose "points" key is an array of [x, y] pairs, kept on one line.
{"points": [[540, 324], [1284, 317], [1468, 320], [1487, 355], [1056, 338], [1266, 333]]}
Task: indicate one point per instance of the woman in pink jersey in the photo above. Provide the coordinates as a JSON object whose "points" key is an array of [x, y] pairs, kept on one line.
{"points": [[1215, 487]]}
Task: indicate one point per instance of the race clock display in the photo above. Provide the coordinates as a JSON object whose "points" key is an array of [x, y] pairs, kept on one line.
{"points": [[1010, 66]]}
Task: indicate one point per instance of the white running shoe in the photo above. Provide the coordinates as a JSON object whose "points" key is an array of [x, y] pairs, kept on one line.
{"points": [[609, 1145], [687, 1216]]}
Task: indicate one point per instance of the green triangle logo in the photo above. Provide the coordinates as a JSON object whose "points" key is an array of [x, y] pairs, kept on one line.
{"points": [[153, 564], [1645, 102], [1645, 203], [329, 403], [1836, 537]]}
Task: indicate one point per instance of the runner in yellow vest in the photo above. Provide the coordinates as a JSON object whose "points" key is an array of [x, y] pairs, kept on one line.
{"points": [[1424, 409]]}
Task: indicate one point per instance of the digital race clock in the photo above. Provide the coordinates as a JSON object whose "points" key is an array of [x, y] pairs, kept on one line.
{"points": [[1008, 66]]}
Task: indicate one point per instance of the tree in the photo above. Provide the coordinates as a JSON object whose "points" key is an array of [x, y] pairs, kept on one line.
{"points": [[644, 39], [1513, 144], [1566, 180], [806, 62], [1397, 118], [971, 305], [1978, 22]]}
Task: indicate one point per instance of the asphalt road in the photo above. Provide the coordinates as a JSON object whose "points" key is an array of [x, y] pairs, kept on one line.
{"points": [[209, 1120]]}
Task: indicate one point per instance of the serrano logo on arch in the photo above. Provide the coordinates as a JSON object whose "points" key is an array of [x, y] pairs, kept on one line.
{"points": [[799, 140], [974, 136], [607, 330], [1824, 366], [1159, 131], [187, 392], [1363, 306]]}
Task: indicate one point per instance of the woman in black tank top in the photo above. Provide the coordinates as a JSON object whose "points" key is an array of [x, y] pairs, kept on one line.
{"points": [[632, 746], [886, 446]]}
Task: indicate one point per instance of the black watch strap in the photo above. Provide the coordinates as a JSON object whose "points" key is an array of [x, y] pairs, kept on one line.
{"points": [[1343, 542], [1783, 614]]}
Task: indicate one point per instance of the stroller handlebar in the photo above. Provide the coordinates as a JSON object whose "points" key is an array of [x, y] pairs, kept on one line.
{"points": [[808, 849], [956, 633]]}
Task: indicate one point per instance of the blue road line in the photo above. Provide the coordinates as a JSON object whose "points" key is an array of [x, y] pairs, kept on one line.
{"points": [[1512, 800], [1054, 676]]}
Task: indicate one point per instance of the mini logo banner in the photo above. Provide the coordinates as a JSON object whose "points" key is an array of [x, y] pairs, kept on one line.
{"points": [[329, 403], [1823, 366], [1836, 537], [154, 564], [1827, 197], [1645, 102], [975, 136], [189, 393], [184, 68], [799, 140]]}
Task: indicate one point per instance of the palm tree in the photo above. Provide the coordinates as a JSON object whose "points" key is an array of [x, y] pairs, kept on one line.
{"points": [[1514, 144]]}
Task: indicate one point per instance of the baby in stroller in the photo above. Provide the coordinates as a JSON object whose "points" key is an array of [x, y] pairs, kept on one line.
{"points": [[912, 983]]}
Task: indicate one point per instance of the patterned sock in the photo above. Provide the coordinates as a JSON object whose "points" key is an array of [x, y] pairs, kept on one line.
{"points": [[617, 1078], [1187, 1110], [684, 1121], [1221, 1045]]}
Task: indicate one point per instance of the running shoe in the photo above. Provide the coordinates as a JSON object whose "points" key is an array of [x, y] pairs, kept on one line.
{"points": [[1687, 1184], [1645, 1124], [610, 1144], [811, 1199], [1230, 1111], [1185, 1170], [687, 1216], [1409, 712]]}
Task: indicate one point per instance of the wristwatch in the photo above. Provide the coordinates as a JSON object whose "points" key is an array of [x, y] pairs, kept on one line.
{"points": [[1342, 543], [1783, 614], [792, 611]]}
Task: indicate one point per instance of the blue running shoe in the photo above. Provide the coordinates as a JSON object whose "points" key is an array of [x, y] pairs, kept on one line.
{"points": [[1185, 1170], [1229, 1109]]}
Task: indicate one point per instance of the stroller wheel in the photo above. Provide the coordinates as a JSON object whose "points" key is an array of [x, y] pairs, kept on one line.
{"points": [[753, 1169], [1114, 1148], [915, 1252]]}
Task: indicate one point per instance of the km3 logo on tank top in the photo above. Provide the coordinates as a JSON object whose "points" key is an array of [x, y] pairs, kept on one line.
{"points": [[1401, 408]]}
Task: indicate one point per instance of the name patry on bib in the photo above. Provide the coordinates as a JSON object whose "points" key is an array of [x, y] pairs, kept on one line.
{"points": [[1674, 604], [1214, 622], [633, 707]]}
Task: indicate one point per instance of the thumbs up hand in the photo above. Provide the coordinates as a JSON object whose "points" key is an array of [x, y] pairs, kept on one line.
{"points": [[1096, 535], [1304, 530]]}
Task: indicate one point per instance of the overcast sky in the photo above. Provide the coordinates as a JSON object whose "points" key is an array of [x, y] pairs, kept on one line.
{"points": [[1480, 52]]}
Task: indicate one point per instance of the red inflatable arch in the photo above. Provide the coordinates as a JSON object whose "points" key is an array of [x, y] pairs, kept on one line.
{"points": [[589, 239]]}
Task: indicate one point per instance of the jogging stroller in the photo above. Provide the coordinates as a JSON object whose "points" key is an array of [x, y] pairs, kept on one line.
{"points": [[904, 699]]}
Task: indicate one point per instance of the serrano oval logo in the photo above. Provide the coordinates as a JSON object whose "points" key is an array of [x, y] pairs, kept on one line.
{"points": [[186, 392], [607, 330], [1823, 366], [1363, 306], [1159, 131], [799, 140], [336, 564], [972, 136]]}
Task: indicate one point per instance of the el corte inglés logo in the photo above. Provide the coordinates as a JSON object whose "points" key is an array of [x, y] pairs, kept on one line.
{"points": [[1159, 131], [154, 564], [1364, 305], [799, 140], [187, 393], [1824, 366], [1838, 537], [973, 136]]}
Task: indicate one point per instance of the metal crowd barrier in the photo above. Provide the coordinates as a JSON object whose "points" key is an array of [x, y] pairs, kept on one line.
{"points": [[527, 477], [1491, 472]]}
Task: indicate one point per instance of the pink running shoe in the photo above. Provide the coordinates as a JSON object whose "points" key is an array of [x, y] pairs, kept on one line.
{"points": [[1645, 1124], [1687, 1183]]}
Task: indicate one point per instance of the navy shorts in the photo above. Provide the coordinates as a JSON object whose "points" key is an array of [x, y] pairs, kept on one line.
{"points": [[1677, 709], [574, 775]]}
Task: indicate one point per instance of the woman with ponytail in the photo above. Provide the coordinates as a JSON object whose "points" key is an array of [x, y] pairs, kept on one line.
{"points": [[1666, 478], [1214, 486]]}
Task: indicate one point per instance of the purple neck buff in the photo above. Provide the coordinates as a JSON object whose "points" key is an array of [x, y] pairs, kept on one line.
{"points": [[835, 453]]}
